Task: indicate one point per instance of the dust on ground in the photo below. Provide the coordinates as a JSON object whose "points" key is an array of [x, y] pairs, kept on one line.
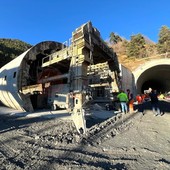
{"points": [[126, 141]]}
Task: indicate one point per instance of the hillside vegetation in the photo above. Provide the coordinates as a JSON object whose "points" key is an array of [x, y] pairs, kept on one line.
{"points": [[11, 48], [139, 48]]}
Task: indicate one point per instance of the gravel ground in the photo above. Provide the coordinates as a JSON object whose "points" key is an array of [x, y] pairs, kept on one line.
{"points": [[127, 142]]}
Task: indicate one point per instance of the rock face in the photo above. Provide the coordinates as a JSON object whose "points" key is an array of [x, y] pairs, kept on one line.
{"points": [[131, 141]]}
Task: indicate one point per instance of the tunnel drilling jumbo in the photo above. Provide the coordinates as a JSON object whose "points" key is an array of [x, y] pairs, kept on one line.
{"points": [[61, 75]]}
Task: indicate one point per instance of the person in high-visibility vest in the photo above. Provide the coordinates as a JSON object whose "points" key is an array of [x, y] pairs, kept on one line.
{"points": [[123, 98], [131, 100], [140, 100]]}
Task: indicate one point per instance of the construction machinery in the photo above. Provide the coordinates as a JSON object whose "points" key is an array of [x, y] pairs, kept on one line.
{"points": [[62, 75]]}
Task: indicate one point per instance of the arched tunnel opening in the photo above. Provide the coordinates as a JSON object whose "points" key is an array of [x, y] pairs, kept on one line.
{"points": [[156, 77]]}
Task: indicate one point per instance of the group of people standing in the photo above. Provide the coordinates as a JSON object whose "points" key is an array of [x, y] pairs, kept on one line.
{"points": [[155, 104], [127, 99]]}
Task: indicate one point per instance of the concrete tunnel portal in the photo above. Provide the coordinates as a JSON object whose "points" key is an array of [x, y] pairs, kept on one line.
{"points": [[155, 77]]}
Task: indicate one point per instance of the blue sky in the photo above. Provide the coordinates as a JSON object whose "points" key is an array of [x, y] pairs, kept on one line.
{"points": [[33, 21]]}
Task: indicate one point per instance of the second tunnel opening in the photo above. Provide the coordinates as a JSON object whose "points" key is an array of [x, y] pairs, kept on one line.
{"points": [[156, 77]]}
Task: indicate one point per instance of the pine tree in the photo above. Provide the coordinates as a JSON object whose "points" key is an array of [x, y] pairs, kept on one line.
{"points": [[114, 38], [136, 47], [11, 48], [163, 45]]}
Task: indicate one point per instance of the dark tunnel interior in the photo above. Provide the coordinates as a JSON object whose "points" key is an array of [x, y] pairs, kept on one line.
{"points": [[154, 84], [157, 77]]}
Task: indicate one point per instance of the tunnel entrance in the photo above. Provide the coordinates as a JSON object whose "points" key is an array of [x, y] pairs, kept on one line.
{"points": [[156, 77]]}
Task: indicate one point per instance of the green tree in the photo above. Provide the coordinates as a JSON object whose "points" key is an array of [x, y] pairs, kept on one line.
{"points": [[163, 45], [136, 47], [114, 38], [11, 48]]}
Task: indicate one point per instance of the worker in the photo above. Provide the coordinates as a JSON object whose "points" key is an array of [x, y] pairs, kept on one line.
{"points": [[140, 107], [130, 101], [123, 98]]}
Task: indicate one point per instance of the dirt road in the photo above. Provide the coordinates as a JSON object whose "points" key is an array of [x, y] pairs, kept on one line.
{"points": [[133, 142]]}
